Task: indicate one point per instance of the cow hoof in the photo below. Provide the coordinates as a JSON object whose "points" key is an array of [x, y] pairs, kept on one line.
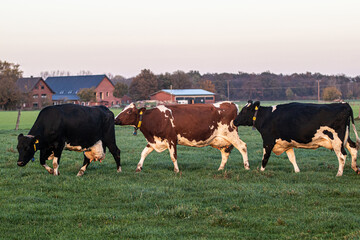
{"points": [[219, 169], [80, 173], [247, 167], [176, 170], [138, 169], [51, 171], [119, 169]]}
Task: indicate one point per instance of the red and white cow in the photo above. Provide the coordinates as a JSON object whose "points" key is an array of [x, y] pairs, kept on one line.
{"points": [[195, 125]]}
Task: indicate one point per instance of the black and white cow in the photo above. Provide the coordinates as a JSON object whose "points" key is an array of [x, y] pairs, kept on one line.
{"points": [[300, 125], [73, 127]]}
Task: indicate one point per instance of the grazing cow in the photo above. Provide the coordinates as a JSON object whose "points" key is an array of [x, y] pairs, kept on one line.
{"points": [[300, 125], [196, 125], [75, 127]]}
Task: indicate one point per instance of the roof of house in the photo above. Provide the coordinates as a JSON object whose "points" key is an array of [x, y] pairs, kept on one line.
{"points": [[67, 87], [26, 85], [186, 92]]}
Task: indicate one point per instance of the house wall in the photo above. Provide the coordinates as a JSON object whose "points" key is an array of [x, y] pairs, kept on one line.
{"points": [[40, 96], [104, 94]]}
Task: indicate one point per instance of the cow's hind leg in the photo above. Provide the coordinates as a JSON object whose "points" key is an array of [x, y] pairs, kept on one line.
{"points": [[56, 166], [85, 165], [291, 155], [115, 151], [351, 147], [224, 157], [148, 149], [341, 155], [173, 156], [241, 147]]}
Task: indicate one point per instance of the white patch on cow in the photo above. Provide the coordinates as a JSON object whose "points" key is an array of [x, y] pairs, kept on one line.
{"points": [[73, 148], [49, 169], [131, 105], [218, 105], [56, 166], [273, 108], [51, 157], [96, 152], [160, 144], [163, 109], [346, 136], [237, 109], [167, 114], [319, 140], [262, 168], [29, 136], [220, 138]]}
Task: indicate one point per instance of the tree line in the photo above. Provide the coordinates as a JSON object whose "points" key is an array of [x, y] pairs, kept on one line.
{"points": [[227, 86], [244, 86]]}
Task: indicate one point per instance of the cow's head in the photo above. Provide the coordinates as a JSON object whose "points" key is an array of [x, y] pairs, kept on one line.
{"points": [[27, 146], [245, 117], [129, 116]]}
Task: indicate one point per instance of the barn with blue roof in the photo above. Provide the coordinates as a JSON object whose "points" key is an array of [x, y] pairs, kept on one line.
{"points": [[184, 96], [66, 89]]}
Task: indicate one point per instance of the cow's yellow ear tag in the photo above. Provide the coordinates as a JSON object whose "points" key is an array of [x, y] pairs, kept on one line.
{"points": [[256, 108]]}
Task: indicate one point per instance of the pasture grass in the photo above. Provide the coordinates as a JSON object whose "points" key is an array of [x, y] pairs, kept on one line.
{"points": [[197, 203]]}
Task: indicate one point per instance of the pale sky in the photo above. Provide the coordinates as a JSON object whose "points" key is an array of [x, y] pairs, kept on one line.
{"points": [[124, 37]]}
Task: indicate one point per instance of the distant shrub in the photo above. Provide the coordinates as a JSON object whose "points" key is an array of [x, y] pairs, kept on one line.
{"points": [[331, 93]]}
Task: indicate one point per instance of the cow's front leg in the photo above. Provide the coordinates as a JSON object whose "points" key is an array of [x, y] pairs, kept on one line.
{"points": [[242, 148], [56, 159], [173, 156], [44, 155], [266, 154], [85, 165], [291, 155], [148, 149], [224, 157]]}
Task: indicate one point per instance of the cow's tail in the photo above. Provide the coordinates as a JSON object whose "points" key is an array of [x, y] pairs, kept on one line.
{"points": [[354, 128]]}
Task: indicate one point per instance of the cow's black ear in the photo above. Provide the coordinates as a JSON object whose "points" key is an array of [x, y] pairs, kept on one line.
{"points": [[249, 103], [142, 110], [257, 104], [20, 136]]}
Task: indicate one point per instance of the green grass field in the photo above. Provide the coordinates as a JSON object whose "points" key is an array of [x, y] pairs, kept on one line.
{"points": [[197, 203]]}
